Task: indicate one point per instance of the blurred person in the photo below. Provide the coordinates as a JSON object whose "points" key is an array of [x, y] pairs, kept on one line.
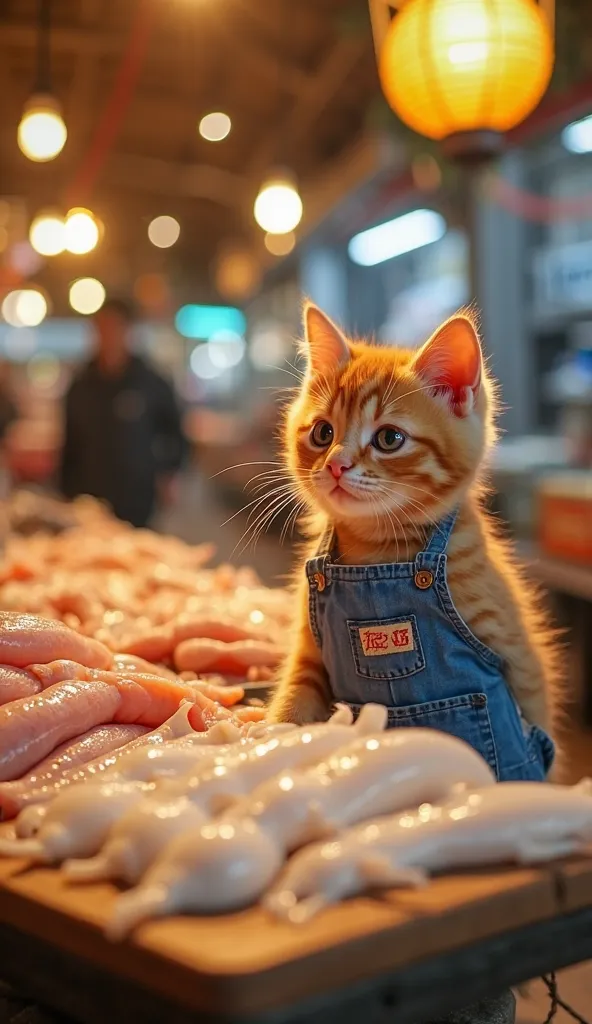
{"points": [[8, 416], [8, 410], [123, 440]]}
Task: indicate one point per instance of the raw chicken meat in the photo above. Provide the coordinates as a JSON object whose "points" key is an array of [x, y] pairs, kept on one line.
{"points": [[67, 671], [102, 739], [33, 727], [16, 683], [520, 822], [25, 639], [14, 796], [203, 655], [126, 663]]}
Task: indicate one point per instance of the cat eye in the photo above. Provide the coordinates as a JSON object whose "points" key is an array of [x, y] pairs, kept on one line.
{"points": [[321, 434], [388, 440]]}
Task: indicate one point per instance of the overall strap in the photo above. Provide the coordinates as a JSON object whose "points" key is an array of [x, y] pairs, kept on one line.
{"points": [[438, 542]]}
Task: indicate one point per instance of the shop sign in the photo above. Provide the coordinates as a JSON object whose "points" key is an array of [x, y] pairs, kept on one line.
{"points": [[563, 277]]}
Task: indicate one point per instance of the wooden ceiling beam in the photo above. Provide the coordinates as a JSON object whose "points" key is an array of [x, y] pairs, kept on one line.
{"points": [[314, 97], [63, 38], [175, 179]]}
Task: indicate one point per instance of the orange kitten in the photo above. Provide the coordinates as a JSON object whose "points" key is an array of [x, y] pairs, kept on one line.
{"points": [[411, 597]]}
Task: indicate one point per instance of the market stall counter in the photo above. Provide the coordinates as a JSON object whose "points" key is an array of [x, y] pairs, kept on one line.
{"points": [[406, 957]]}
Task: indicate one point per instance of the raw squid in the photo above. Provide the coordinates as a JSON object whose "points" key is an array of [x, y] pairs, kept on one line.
{"points": [[14, 796], [27, 639], [373, 775], [16, 683], [523, 822], [206, 655], [206, 870], [77, 822], [137, 839], [33, 727], [220, 784]]}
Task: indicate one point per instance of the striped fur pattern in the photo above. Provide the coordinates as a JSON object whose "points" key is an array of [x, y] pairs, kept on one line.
{"points": [[384, 504]]}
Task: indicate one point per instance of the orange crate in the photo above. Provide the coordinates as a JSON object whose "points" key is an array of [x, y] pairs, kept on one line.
{"points": [[565, 518]]}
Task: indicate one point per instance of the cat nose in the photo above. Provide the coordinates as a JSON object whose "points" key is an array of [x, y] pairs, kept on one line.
{"points": [[338, 465]]}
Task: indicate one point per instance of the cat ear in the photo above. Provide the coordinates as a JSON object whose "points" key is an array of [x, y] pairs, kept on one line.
{"points": [[451, 362], [325, 345]]}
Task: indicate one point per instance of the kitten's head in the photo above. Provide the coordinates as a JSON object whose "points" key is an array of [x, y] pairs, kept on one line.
{"points": [[379, 431]]}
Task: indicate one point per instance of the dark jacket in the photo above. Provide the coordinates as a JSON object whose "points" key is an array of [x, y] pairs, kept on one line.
{"points": [[121, 434]]}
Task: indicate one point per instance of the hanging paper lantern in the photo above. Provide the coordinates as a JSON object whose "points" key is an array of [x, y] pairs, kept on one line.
{"points": [[451, 67]]}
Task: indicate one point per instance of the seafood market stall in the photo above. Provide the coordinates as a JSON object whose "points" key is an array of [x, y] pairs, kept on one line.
{"points": [[167, 853], [405, 957]]}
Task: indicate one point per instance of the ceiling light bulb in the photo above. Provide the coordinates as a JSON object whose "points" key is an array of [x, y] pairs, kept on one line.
{"points": [[215, 126], [42, 133], [278, 207], [81, 232], [87, 295], [164, 231], [47, 235]]}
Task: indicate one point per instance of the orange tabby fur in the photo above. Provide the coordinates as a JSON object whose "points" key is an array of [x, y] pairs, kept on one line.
{"points": [[359, 387]]}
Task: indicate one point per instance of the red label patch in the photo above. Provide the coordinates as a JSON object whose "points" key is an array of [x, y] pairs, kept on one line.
{"points": [[389, 638]]}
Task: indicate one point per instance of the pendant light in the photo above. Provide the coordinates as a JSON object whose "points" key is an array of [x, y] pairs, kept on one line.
{"points": [[278, 207], [42, 132], [466, 71]]}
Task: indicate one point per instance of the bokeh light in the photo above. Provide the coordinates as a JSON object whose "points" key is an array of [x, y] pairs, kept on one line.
{"points": [[164, 231], [81, 231], [215, 126], [44, 371], [278, 207], [47, 234], [26, 307], [280, 245], [202, 365], [237, 272], [87, 295], [42, 133], [226, 349]]}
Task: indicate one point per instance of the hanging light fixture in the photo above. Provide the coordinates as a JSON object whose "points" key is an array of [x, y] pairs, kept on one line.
{"points": [[278, 207], [42, 132], [465, 71]]}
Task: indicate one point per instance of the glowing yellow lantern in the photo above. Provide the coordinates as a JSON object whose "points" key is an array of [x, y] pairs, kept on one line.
{"points": [[452, 67]]}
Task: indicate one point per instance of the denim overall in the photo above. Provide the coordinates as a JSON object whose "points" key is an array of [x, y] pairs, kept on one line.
{"points": [[390, 634]]}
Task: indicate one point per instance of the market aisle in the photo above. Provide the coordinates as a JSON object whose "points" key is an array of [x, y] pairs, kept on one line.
{"points": [[199, 516]]}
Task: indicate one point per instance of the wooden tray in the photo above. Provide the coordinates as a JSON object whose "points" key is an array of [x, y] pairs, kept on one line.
{"points": [[245, 963]]}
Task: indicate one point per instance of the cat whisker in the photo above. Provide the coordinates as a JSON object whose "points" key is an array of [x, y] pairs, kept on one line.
{"points": [[265, 518], [255, 501], [242, 465]]}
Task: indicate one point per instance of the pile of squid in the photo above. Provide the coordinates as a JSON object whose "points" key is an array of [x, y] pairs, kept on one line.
{"points": [[295, 818]]}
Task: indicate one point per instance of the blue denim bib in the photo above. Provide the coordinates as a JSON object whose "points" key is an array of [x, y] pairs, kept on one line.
{"points": [[391, 634]]}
